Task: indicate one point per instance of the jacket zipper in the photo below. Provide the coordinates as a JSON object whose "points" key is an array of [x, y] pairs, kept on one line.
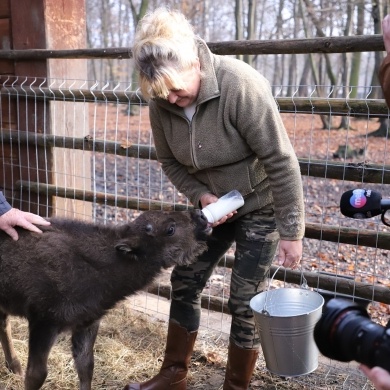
{"points": [[192, 146]]}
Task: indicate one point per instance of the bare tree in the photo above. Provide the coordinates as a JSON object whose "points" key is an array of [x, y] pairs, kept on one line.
{"points": [[278, 73], [377, 16], [357, 56], [245, 30], [251, 27], [292, 69], [378, 8], [311, 60], [238, 12], [346, 60], [320, 33], [138, 12], [112, 22]]}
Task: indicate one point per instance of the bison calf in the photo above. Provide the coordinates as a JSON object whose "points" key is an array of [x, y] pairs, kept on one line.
{"points": [[68, 277]]}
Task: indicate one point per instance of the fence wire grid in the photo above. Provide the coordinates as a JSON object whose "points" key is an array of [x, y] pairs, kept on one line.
{"points": [[84, 149]]}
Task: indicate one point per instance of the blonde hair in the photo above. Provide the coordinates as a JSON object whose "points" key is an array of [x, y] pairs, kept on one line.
{"points": [[164, 46]]}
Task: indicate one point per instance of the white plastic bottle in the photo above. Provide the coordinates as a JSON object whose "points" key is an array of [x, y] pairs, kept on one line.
{"points": [[225, 205]]}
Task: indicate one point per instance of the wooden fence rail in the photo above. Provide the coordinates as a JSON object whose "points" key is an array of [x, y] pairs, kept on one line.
{"points": [[315, 280], [335, 283], [316, 105], [358, 172], [344, 44], [367, 173], [346, 235]]}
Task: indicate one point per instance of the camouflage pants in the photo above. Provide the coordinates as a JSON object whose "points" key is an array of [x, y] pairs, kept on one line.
{"points": [[256, 241]]}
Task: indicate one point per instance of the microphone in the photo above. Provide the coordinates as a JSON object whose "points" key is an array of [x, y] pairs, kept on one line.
{"points": [[363, 203]]}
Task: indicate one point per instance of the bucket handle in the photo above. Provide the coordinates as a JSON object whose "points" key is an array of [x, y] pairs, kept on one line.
{"points": [[264, 311]]}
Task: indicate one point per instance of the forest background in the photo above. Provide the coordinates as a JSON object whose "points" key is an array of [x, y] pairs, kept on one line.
{"points": [[112, 23]]}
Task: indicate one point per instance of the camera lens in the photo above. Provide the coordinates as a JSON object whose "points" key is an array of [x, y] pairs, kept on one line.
{"points": [[345, 332]]}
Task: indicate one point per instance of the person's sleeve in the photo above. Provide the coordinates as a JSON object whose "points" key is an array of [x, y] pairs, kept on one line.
{"points": [[384, 78], [4, 205], [262, 127]]}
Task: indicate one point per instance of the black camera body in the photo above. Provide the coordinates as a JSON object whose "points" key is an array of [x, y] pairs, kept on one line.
{"points": [[345, 332]]}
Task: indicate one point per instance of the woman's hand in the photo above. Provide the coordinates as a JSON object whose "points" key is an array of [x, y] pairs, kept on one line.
{"points": [[15, 217], [290, 253], [208, 198]]}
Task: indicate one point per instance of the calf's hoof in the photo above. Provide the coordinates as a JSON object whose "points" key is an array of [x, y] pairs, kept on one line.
{"points": [[15, 367]]}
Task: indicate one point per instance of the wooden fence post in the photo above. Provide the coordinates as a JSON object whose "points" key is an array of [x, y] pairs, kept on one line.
{"points": [[46, 24], [66, 29], [22, 28]]}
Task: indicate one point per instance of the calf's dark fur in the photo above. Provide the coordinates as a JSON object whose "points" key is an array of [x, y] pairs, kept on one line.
{"points": [[68, 277]]}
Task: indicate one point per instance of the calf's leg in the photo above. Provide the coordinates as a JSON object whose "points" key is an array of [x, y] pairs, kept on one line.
{"points": [[11, 359], [41, 338], [83, 341]]}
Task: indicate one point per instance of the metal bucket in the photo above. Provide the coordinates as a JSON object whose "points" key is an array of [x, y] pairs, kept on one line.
{"points": [[285, 319]]}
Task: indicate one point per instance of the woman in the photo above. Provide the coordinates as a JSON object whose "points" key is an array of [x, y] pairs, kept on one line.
{"points": [[11, 217], [216, 127]]}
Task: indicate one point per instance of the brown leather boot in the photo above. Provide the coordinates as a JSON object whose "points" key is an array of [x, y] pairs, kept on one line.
{"points": [[173, 373], [239, 368]]}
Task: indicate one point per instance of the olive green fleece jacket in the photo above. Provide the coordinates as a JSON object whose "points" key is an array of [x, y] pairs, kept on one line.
{"points": [[236, 140]]}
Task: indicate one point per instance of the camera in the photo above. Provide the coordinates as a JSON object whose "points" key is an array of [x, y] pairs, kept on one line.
{"points": [[345, 332]]}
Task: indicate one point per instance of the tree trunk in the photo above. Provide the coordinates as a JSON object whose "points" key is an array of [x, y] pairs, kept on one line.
{"points": [[356, 57], [292, 72], [137, 16], [238, 13], [251, 29], [378, 14]]}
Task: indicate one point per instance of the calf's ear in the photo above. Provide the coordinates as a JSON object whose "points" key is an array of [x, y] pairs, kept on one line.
{"points": [[123, 247], [127, 245]]}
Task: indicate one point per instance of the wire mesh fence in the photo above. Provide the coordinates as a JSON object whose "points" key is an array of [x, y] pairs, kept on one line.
{"points": [[85, 150]]}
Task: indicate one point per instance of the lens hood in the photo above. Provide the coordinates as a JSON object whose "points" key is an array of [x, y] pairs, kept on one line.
{"points": [[326, 329]]}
